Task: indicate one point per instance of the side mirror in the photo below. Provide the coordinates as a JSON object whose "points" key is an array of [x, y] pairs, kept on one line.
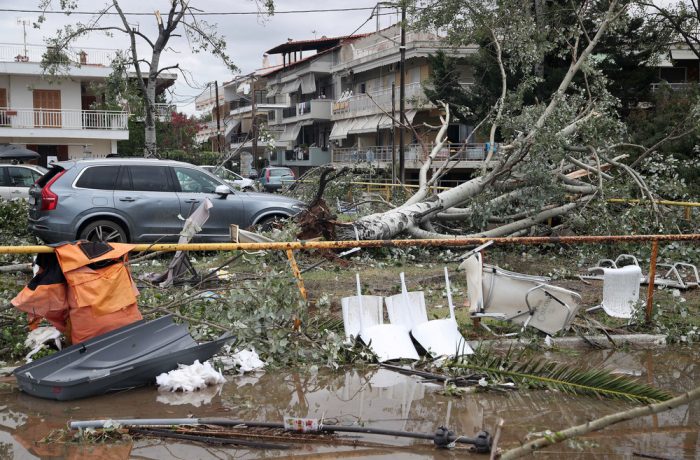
{"points": [[222, 191]]}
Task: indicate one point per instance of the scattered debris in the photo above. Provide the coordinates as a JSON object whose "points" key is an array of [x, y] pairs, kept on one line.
{"points": [[39, 337], [188, 378]]}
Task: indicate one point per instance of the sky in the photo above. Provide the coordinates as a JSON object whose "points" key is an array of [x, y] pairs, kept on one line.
{"points": [[247, 36]]}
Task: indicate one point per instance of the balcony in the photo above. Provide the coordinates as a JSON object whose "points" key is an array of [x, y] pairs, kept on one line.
{"points": [[673, 86], [471, 155], [378, 101], [317, 109], [13, 52], [94, 124]]}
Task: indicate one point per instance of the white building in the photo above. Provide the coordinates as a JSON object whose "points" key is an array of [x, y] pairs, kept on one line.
{"points": [[54, 116]]}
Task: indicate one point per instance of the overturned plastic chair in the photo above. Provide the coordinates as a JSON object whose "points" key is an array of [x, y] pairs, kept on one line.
{"points": [[363, 318], [441, 337], [677, 275], [518, 298], [620, 290]]}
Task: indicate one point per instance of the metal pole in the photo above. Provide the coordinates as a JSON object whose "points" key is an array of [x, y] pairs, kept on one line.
{"points": [[303, 245], [218, 117], [402, 94], [254, 126], [652, 275], [393, 132]]}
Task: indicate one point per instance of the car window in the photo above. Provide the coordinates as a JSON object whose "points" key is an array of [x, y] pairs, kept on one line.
{"points": [[98, 177], [280, 172], [193, 181], [21, 177], [4, 177], [149, 178]]}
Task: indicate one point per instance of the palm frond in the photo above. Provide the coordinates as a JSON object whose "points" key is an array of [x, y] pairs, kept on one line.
{"points": [[539, 373]]}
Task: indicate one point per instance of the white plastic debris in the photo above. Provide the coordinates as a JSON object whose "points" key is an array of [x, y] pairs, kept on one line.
{"points": [[38, 337], [195, 398], [247, 361], [190, 378]]}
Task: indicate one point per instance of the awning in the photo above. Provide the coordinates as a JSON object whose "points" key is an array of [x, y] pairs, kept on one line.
{"points": [[365, 125], [677, 55], [308, 84], [291, 132], [230, 124], [272, 91], [306, 122], [340, 129], [291, 86]]}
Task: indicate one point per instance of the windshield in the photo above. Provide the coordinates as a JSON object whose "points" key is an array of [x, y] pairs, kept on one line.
{"points": [[223, 173]]}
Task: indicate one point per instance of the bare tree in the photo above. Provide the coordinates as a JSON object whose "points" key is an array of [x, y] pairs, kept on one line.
{"points": [[180, 18]]}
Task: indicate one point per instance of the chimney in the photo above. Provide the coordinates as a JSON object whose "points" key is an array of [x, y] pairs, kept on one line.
{"points": [[266, 61]]}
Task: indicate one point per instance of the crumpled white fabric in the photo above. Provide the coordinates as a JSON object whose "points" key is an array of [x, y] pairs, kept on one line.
{"points": [[190, 378], [38, 337]]}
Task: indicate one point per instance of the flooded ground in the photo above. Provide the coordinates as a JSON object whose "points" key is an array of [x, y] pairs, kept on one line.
{"points": [[378, 398]]}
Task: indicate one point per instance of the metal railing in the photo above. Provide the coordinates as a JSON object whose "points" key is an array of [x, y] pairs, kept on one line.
{"points": [[64, 119], [674, 86], [413, 152], [372, 102], [15, 52]]}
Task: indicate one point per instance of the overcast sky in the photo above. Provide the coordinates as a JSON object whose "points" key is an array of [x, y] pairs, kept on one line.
{"points": [[247, 36]]}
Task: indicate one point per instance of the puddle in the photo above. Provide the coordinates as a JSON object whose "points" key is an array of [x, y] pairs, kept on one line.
{"points": [[378, 398]]}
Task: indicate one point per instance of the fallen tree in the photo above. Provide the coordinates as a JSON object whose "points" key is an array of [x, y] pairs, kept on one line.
{"points": [[554, 156]]}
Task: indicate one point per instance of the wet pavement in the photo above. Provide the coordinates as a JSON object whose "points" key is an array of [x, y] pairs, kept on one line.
{"points": [[378, 398]]}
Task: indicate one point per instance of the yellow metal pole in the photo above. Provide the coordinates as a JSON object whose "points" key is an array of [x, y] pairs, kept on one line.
{"points": [[298, 245], [297, 274], [652, 275], [688, 210]]}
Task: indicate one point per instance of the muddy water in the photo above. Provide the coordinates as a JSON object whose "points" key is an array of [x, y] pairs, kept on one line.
{"points": [[378, 398]]}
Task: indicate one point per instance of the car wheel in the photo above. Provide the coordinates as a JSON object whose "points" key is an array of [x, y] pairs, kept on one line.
{"points": [[104, 230], [248, 189], [268, 223]]}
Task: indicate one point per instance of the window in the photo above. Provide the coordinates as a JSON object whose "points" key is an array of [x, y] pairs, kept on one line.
{"points": [[193, 181], [363, 88], [98, 178], [21, 177], [4, 177], [149, 178]]}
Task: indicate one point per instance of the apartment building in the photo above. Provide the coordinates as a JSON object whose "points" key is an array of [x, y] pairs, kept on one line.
{"points": [[56, 117], [679, 69]]}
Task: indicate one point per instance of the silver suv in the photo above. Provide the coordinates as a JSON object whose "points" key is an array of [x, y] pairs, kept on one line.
{"points": [[140, 200]]}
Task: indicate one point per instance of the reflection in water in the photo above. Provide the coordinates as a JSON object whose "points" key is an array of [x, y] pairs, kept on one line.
{"points": [[374, 397]]}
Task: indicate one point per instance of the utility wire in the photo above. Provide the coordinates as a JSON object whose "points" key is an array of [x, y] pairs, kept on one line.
{"points": [[194, 13]]}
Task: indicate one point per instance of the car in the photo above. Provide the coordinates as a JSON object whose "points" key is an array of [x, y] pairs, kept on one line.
{"points": [[15, 180], [142, 200], [272, 178], [231, 178], [253, 174]]}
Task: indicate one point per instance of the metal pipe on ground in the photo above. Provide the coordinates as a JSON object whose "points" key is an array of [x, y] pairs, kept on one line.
{"points": [[441, 438]]}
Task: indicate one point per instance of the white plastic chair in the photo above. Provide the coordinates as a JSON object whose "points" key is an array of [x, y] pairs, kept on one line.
{"points": [[620, 290]]}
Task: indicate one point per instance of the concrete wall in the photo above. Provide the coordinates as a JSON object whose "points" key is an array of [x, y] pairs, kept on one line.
{"points": [[20, 91]]}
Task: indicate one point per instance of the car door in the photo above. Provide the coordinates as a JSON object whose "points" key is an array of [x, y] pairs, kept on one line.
{"points": [[193, 187], [21, 179], [5, 186], [146, 196]]}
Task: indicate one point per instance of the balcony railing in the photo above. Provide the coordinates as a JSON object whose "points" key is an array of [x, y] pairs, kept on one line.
{"points": [[317, 109], [674, 86], [13, 52], [376, 101], [63, 119], [413, 152]]}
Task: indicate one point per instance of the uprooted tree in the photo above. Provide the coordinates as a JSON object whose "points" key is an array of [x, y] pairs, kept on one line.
{"points": [[554, 151], [180, 17]]}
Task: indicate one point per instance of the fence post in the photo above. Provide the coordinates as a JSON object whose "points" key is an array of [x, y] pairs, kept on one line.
{"points": [[652, 275], [688, 210]]}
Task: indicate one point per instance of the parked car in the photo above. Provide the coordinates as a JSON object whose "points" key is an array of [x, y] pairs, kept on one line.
{"points": [[273, 178], [253, 174], [231, 178], [142, 200], [15, 180]]}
